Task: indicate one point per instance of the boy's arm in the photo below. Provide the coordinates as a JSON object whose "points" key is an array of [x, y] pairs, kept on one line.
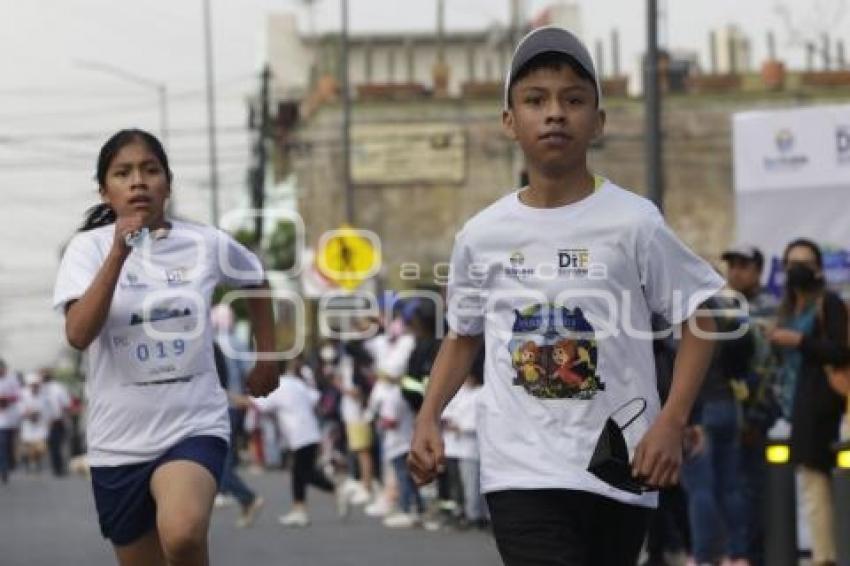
{"points": [[658, 456], [450, 370]]}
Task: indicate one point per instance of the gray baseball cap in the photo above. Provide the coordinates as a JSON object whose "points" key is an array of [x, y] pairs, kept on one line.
{"points": [[550, 39]]}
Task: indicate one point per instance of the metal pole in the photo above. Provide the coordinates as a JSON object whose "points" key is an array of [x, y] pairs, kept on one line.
{"points": [[213, 154], [163, 114], [346, 117], [652, 101], [780, 506], [258, 192]]}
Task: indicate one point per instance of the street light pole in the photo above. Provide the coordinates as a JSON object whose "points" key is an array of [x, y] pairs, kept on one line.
{"points": [[346, 117], [213, 153]]}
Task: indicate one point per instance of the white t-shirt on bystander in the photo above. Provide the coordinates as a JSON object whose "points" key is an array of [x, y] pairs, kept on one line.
{"points": [[36, 413], [294, 404], [461, 414]]}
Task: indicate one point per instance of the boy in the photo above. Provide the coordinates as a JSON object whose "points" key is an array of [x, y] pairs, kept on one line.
{"points": [[576, 261]]}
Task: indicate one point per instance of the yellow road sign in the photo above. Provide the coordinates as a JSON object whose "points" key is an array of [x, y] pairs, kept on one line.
{"points": [[348, 256]]}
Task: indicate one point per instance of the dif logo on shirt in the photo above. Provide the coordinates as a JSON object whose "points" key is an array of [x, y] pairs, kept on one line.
{"points": [[573, 261]]}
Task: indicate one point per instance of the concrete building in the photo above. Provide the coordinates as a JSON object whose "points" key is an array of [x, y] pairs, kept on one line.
{"points": [[401, 58]]}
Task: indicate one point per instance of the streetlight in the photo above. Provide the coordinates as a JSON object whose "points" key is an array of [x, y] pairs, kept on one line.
{"points": [[162, 91]]}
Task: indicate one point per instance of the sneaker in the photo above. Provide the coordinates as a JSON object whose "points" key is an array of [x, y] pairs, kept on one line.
{"points": [[250, 513], [402, 520], [222, 500], [294, 519], [360, 495], [378, 508]]}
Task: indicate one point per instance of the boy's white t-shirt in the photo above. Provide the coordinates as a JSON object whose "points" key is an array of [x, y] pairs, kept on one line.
{"points": [[37, 413], [461, 412], [565, 292], [151, 378], [294, 404]]}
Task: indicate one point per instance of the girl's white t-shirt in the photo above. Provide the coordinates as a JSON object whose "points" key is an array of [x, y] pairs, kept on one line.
{"points": [[563, 297], [294, 405], [151, 378]]}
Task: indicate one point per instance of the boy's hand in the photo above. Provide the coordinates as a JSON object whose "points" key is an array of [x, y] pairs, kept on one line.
{"points": [[426, 458], [658, 456], [263, 379]]}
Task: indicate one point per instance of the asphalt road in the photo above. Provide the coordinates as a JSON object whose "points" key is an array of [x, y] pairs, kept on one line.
{"points": [[46, 521]]}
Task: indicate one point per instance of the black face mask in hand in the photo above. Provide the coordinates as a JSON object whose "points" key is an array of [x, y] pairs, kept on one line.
{"points": [[610, 460]]}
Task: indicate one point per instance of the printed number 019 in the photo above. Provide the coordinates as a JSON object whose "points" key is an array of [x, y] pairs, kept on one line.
{"points": [[143, 352]]}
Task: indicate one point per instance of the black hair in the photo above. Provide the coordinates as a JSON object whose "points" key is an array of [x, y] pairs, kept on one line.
{"points": [[102, 214], [789, 296], [805, 243], [551, 60]]}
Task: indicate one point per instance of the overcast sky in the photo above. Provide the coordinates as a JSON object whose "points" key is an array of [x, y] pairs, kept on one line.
{"points": [[55, 114]]}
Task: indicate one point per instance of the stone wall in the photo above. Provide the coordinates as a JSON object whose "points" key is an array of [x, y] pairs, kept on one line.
{"points": [[417, 222]]}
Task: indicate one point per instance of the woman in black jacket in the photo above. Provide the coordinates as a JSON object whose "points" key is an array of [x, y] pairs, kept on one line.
{"points": [[812, 333]]}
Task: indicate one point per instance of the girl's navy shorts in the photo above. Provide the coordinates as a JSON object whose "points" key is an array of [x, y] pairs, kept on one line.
{"points": [[126, 509]]}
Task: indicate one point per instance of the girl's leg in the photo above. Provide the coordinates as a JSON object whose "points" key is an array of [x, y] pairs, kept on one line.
{"points": [[300, 474], [315, 476], [184, 492], [147, 551]]}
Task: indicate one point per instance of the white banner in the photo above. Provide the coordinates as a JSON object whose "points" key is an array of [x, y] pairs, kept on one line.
{"points": [[802, 148], [792, 180]]}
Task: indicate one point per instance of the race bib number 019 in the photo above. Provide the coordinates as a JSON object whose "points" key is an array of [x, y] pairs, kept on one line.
{"points": [[162, 351]]}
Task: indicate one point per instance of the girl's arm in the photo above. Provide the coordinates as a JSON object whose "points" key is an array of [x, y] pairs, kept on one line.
{"points": [[84, 317]]}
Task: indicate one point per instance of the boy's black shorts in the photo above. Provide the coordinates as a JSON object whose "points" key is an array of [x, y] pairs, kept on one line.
{"points": [[559, 527]]}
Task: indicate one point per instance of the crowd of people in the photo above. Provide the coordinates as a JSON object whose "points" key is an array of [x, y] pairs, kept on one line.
{"points": [[39, 423], [342, 421]]}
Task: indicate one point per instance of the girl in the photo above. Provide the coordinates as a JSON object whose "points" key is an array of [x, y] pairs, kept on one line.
{"points": [[812, 332], [135, 288], [294, 404]]}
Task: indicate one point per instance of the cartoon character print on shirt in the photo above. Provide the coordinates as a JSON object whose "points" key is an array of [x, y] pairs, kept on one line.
{"points": [[554, 355]]}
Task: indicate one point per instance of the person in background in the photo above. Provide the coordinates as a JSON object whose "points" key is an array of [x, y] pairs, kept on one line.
{"points": [[754, 387], [293, 404], [36, 414], [811, 333], [461, 442], [60, 407], [231, 483], [10, 393]]}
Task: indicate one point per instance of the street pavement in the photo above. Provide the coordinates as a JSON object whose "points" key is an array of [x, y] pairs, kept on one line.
{"points": [[47, 522]]}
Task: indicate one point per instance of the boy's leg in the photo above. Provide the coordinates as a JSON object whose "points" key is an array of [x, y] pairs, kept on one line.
{"points": [[545, 527], [619, 532]]}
